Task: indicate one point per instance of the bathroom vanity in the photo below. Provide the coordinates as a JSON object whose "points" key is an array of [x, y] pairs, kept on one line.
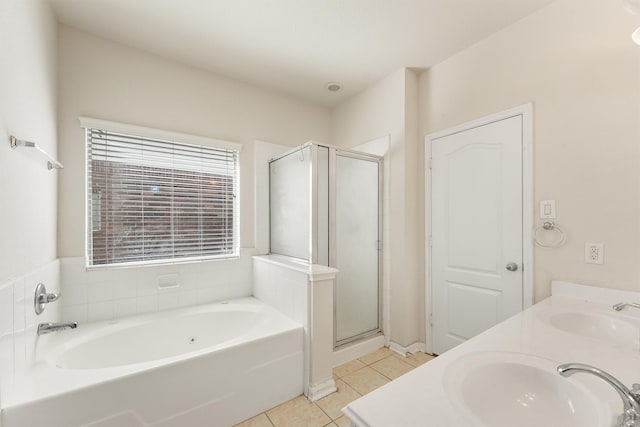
{"points": [[508, 375]]}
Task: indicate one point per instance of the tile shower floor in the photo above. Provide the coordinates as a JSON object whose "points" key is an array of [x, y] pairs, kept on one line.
{"points": [[353, 379]]}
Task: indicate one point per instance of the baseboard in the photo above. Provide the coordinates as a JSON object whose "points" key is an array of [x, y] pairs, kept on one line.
{"points": [[318, 391], [413, 348]]}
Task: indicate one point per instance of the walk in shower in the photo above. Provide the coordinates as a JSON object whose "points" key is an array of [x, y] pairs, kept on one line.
{"points": [[326, 208]]}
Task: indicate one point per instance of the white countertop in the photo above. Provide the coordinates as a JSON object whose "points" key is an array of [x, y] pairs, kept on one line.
{"points": [[418, 398]]}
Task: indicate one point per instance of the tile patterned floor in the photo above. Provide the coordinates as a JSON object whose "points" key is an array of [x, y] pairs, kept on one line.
{"points": [[353, 379]]}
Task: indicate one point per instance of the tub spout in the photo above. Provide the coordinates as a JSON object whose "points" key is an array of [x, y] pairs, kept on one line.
{"points": [[47, 328]]}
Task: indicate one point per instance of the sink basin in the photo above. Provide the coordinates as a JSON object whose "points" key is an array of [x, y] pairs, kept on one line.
{"points": [[509, 389], [615, 331]]}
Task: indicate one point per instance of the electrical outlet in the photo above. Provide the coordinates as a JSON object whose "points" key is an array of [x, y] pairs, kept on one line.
{"points": [[594, 253]]}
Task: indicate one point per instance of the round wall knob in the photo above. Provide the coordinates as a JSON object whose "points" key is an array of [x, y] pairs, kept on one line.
{"points": [[512, 266]]}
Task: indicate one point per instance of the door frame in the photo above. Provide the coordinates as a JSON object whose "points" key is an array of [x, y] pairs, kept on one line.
{"points": [[334, 152], [526, 112]]}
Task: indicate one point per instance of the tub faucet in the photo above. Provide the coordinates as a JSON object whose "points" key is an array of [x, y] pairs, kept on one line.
{"points": [[47, 328], [619, 306], [630, 417]]}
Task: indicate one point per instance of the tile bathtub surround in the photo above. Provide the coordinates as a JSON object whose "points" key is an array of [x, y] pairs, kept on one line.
{"points": [[102, 294], [353, 379], [18, 321], [6, 331]]}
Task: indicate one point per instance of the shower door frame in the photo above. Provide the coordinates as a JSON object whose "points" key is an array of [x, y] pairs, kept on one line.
{"points": [[333, 154]]}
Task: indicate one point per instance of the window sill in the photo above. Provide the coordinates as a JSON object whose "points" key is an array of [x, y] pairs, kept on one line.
{"points": [[162, 263]]}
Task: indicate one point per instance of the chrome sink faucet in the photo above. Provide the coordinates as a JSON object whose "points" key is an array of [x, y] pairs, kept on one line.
{"points": [[630, 398], [619, 306], [47, 328]]}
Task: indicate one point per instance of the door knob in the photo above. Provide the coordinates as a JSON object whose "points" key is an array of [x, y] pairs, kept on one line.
{"points": [[512, 266]]}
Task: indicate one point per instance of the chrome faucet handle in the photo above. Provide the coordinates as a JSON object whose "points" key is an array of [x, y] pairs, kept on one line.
{"points": [[41, 298], [47, 298], [631, 418], [628, 419]]}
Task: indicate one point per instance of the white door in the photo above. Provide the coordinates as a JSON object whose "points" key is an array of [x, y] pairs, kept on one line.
{"points": [[476, 230]]}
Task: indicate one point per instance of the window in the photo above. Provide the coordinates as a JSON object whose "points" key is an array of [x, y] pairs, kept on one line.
{"points": [[158, 200]]}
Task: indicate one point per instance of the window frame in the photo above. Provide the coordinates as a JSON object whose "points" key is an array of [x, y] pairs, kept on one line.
{"points": [[87, 123]]}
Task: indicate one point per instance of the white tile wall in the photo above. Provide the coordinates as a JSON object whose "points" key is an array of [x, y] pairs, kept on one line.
{"points": [[19, 324], [99, 310], [124, 307], [168, 300], [146, 304], [6, 330], [300, 293], [18, 321], [101, 294], [281, 288]]}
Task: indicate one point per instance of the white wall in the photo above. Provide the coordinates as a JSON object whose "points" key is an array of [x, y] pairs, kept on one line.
{"points": [[28, 191], [575, 60], [28, 98], [106, 80], [389, 108]]}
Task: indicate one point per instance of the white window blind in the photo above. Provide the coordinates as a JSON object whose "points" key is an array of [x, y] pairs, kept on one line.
{"points": [[153, 200]]}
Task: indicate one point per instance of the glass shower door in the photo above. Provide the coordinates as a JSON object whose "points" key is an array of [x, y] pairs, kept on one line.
{"points": [[356, 246]]}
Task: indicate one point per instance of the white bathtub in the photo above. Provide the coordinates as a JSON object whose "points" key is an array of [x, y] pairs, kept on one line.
{"points": [[210, 365]]}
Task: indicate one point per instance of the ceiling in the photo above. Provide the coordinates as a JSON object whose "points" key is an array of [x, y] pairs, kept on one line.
{"points": [[298, 46]]}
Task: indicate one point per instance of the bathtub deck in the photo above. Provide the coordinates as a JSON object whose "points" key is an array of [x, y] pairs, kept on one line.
{"points": [[353, 379]]}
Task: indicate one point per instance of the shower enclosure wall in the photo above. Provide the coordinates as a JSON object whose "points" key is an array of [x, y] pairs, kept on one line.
{"points": [[326, 208]]}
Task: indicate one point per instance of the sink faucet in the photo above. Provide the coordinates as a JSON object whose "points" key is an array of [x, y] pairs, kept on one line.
{"points": [[630, 398], [47, 328], [619, 306]]}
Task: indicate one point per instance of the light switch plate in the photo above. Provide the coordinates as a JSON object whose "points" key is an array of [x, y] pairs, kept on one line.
{"points": [[547, 209]]}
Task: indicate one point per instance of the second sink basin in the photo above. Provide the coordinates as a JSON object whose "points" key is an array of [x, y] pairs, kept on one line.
{"points": [[615, 331], [508, 389]]}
